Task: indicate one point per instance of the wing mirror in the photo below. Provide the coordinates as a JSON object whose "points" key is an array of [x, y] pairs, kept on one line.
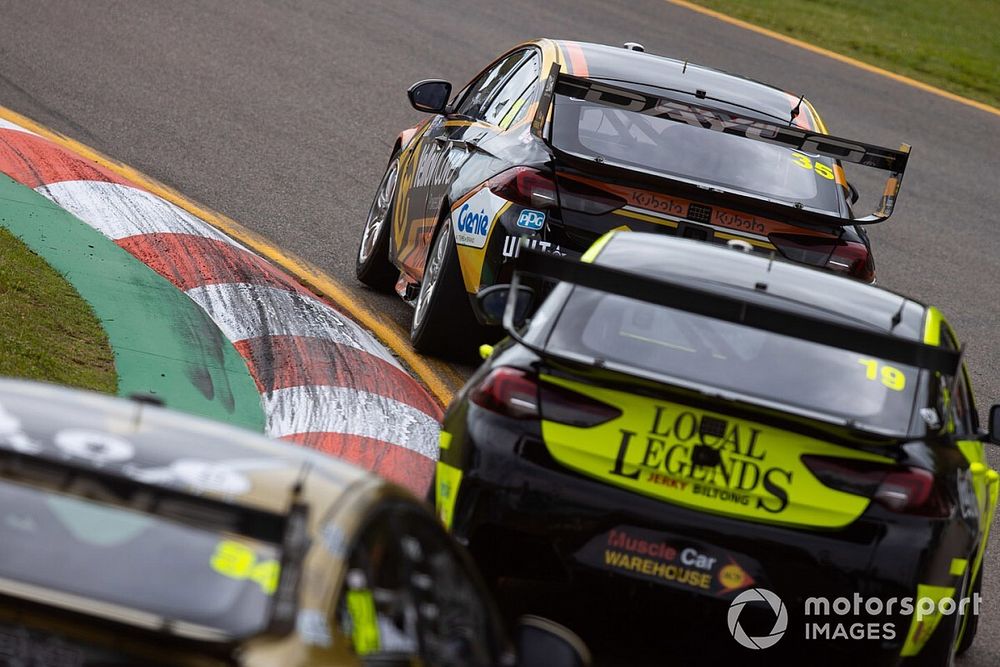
{"points": [[491, 303], [544, 643], [430, 95], [993, 434]]}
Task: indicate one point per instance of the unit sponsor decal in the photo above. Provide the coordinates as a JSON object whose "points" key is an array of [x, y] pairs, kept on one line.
{"points": [[670, 560], [531, 219], [512, 246], [474, 218]]}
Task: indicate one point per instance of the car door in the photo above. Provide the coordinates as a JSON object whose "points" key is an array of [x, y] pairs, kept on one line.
{"points": [[444, 147], [411, 597]]}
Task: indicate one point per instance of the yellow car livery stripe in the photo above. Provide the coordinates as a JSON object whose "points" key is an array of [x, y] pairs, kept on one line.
{"points": [[447, 482], [594, 250], [932, 326], [760, 475], [923, 624]]}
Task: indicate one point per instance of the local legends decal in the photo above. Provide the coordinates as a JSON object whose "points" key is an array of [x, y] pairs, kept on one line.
{"points": [[474, 218], [706, 456], [670, 560]]}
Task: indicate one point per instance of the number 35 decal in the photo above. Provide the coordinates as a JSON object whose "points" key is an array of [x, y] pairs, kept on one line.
{"points": [[820, 168], [891, 377]]}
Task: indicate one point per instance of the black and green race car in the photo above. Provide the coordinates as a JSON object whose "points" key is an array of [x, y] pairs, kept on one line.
{"points": [[690, 450]]}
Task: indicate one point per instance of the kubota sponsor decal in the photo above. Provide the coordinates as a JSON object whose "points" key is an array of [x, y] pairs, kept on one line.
{"points": [[705, 460]]}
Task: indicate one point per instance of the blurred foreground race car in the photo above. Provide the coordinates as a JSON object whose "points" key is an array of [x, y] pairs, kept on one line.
{"points": [[561, 142], [682, 423], [130, 535]]}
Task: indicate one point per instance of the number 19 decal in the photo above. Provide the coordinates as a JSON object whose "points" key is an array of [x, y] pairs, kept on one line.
{"points": [[891, 377]]}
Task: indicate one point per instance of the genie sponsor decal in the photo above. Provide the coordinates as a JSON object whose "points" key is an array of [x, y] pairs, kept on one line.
{"points": [[670, 560], [474, 218]]}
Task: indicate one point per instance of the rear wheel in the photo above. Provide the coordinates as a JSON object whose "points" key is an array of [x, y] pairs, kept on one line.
{"points": [[372, 265], [443, 321]]}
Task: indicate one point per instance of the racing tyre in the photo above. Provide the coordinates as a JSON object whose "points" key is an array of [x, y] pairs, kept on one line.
{"points": [[443, 321], [372, 265], [972, 625]]}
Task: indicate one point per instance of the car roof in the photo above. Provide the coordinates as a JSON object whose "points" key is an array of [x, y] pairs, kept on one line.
{"points": [[167, 447], [619, 64], [786, 284]]}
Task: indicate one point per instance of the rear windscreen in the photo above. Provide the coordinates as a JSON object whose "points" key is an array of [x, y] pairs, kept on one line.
{"points": [[737, 358], [630, 139], [109, 554]]}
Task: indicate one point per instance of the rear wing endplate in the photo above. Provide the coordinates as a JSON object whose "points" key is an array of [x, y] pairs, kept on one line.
{"points": [[683, 295], [677, 106]]}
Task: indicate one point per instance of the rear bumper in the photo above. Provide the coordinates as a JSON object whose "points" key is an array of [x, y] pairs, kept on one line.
{"points": [[543, 534]]}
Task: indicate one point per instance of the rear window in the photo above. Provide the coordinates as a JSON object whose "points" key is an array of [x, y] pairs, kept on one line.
{"points": [[103, 553], [736, 358], [631, 139]]}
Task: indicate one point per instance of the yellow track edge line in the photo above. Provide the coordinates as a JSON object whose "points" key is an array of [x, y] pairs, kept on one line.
{"points": [[309, 274], [926, 87]]}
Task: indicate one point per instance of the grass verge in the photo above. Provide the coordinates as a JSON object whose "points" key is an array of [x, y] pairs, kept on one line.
{"points": [[47, 331], [953, 45]]}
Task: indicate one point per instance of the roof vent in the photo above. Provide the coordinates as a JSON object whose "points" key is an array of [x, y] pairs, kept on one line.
{"points": [[634, 46]]}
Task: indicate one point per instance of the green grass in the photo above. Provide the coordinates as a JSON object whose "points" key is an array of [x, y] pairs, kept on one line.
{"points": [[951, 44], [47, 332]]}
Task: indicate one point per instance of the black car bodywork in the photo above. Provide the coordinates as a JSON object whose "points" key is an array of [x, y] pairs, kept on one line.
{"points": [[559, 142], [593, 482]]}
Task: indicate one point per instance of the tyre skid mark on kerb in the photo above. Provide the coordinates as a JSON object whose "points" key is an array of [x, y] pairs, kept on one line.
{"points": [[275, 312], [348, 410], [190, 261], [324, 381], [119, 211], [280, 362], [398, 463]]}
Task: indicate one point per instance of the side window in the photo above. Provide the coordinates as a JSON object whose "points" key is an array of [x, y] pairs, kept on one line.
{"points": [[962, 410], [481, 90], [409, 595], [513, 95]]}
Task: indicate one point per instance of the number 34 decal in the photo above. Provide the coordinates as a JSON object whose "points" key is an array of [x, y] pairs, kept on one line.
{"points": [[891, 377], [820, 168]]}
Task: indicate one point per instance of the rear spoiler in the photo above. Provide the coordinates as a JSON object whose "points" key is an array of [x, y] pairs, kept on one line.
{"points": [[677, 106], [287, 531], [681, 294]]}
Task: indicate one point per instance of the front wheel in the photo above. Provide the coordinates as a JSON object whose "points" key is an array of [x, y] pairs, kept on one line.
{"points": [[443, 321], [372, 265]]}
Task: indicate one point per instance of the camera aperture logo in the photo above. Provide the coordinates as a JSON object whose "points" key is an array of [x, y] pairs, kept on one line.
{"points": [[756, 595]]}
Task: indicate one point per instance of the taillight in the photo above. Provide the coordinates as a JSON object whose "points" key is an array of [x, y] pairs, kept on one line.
{"points": [[525, 186], [576, 196], [851, 257], [898, 488], [517, 394]]}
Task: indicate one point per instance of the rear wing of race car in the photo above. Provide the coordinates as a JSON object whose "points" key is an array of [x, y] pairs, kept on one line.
{"points": [[286, 531], [687, 296], [677, 106]]}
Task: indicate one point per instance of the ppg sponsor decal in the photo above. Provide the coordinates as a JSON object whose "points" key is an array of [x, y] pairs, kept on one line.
{"points": [[474, 218], [531, 219]]}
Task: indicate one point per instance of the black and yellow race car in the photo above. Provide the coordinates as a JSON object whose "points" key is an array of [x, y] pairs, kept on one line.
{"points": [[559, 142], [704, 452], [133, 536]]}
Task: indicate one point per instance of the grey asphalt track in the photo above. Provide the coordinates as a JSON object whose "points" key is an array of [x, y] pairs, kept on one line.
{"points": [[281, 114]]}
